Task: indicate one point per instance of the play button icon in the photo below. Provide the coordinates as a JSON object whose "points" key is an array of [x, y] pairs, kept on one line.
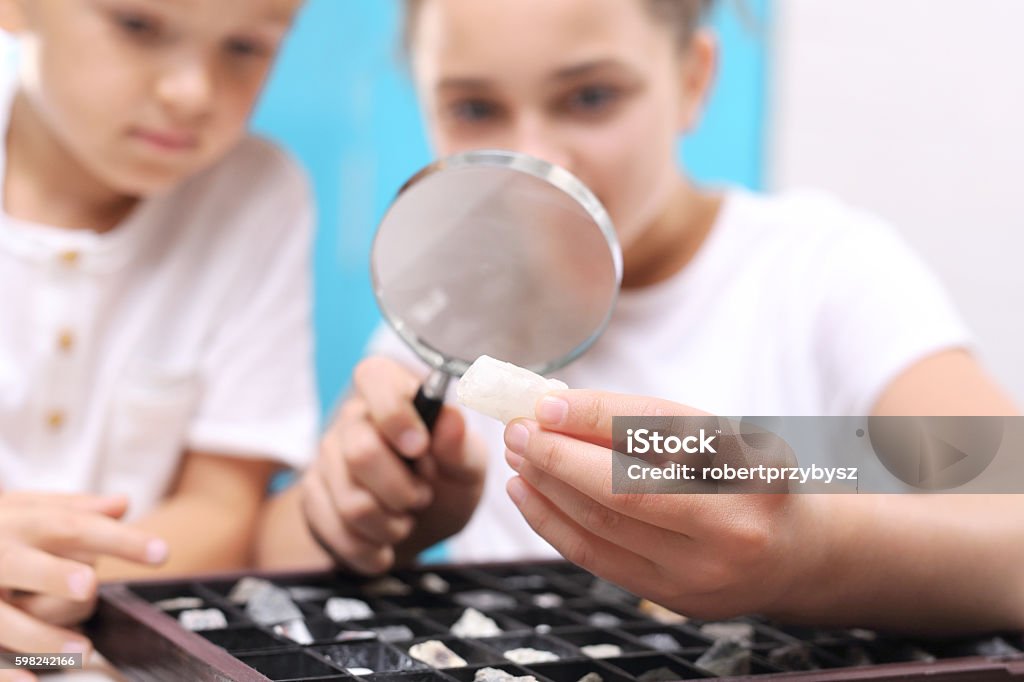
{"points": [[936, 453]]}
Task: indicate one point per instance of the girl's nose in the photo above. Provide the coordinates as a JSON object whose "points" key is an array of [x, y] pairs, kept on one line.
{"points": [[186, 89]]}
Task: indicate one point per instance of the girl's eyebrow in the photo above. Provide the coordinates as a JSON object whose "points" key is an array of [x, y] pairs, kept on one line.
{"points": [[586, 68], [463, 83]]}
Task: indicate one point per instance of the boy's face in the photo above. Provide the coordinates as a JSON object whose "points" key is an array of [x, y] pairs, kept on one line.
{"points": [[143, 93], [597, 86]]}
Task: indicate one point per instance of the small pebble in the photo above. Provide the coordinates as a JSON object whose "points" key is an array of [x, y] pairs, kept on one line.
{"points": [[359, 671], [307, 593], [526, 655], [485, 600], [268, 604], [178, 603], [591, 677], [394, 633], [294, 630], [660, 641], [548, 600], [353, 635], [388, 586], [245, 588], [602, 650], [543, 628], [661, 674], [725, 657], [606, 591], [340, 609], [436, 654], [737, 632], [600, 619], [472, 623], [499, 675], [202, 619], [433, 583], [793, 657]]}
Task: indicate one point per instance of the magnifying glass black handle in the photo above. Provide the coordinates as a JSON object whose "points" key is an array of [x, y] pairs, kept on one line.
{"points": [[429, 400], [429, 409]]}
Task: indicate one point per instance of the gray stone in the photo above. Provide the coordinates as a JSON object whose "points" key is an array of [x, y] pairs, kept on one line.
{"points": [[268, 604], [433, 583], [245, 588], [387, 586], [548, 600], [591, 677], [661, 674], [394, 633], [294, 630], [660, 641], [600, 619], [795, 656], [484, 600], [725, 657], [737, 632], [604, 590]]}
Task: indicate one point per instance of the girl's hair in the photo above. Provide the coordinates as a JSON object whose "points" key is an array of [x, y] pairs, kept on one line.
{"points": [[682, 16]]}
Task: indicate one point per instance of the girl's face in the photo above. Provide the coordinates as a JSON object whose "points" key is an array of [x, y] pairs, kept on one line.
{"points": [[597, 86], [143, 93]]}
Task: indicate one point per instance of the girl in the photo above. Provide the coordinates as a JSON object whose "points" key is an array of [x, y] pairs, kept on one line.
{"points": [[154, 340], [733, 303]]}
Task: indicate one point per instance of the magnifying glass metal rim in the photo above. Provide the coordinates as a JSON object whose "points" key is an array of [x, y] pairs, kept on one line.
{"points": [[445, 367]]}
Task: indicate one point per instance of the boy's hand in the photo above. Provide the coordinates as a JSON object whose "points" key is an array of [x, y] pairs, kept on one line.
{"points": [[362, 501], [48, 543]]}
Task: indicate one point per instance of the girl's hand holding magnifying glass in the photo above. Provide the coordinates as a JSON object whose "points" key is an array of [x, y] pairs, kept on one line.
{"points": [[365, 505]]}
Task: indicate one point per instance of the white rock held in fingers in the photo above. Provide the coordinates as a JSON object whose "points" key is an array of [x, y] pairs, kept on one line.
{"points": [[503, 390], [294, 630]]}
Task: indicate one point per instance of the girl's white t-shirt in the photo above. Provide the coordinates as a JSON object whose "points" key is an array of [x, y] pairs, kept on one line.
{"points": [[794, 305], [186, 328]]}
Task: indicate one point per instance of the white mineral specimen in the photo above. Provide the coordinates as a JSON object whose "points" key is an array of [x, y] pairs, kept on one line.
{"points": [[202, 619], [526, 655], [294, 630], [360, 671], [547, 600], [436, 654], [472, 623], [387, 586], [432, 582], [245, 588], [340, 609], [499, 675], [602, 650], [591, 677], [178, 603], [503, 390]]}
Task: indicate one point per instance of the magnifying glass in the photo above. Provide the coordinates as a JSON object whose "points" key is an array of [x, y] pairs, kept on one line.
{"points": [[494, 253]]}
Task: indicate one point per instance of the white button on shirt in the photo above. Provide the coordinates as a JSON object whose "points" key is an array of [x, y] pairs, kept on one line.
{"points": [[185, 328]]}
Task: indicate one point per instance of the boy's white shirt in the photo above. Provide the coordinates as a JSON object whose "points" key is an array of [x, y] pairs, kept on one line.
{"points": [[188, 327], [795, 305]]}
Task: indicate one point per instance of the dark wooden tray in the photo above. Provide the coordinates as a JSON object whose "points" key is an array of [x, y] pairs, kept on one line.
{"points": [[146, 643]]}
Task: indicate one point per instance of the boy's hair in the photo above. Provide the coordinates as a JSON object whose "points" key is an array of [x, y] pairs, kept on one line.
{"points": [[684, 16]]}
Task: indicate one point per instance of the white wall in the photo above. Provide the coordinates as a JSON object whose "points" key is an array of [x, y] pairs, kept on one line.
{"points": [[915, 109]]}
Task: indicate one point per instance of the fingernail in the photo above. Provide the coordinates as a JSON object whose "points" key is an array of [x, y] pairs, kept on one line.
{"points": [[552, 411], [517, 490], [412, 442], [516, 438], [156, 551], [74, 646], [515, 461], [79, 582]]}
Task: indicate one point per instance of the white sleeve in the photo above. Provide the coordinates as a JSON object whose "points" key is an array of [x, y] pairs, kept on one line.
{"points": [[883, 310], [259, 390]]}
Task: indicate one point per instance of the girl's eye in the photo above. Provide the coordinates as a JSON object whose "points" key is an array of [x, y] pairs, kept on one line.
{"points": [[474, 110], [592, 99], [137, 25], [247, 48]]}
